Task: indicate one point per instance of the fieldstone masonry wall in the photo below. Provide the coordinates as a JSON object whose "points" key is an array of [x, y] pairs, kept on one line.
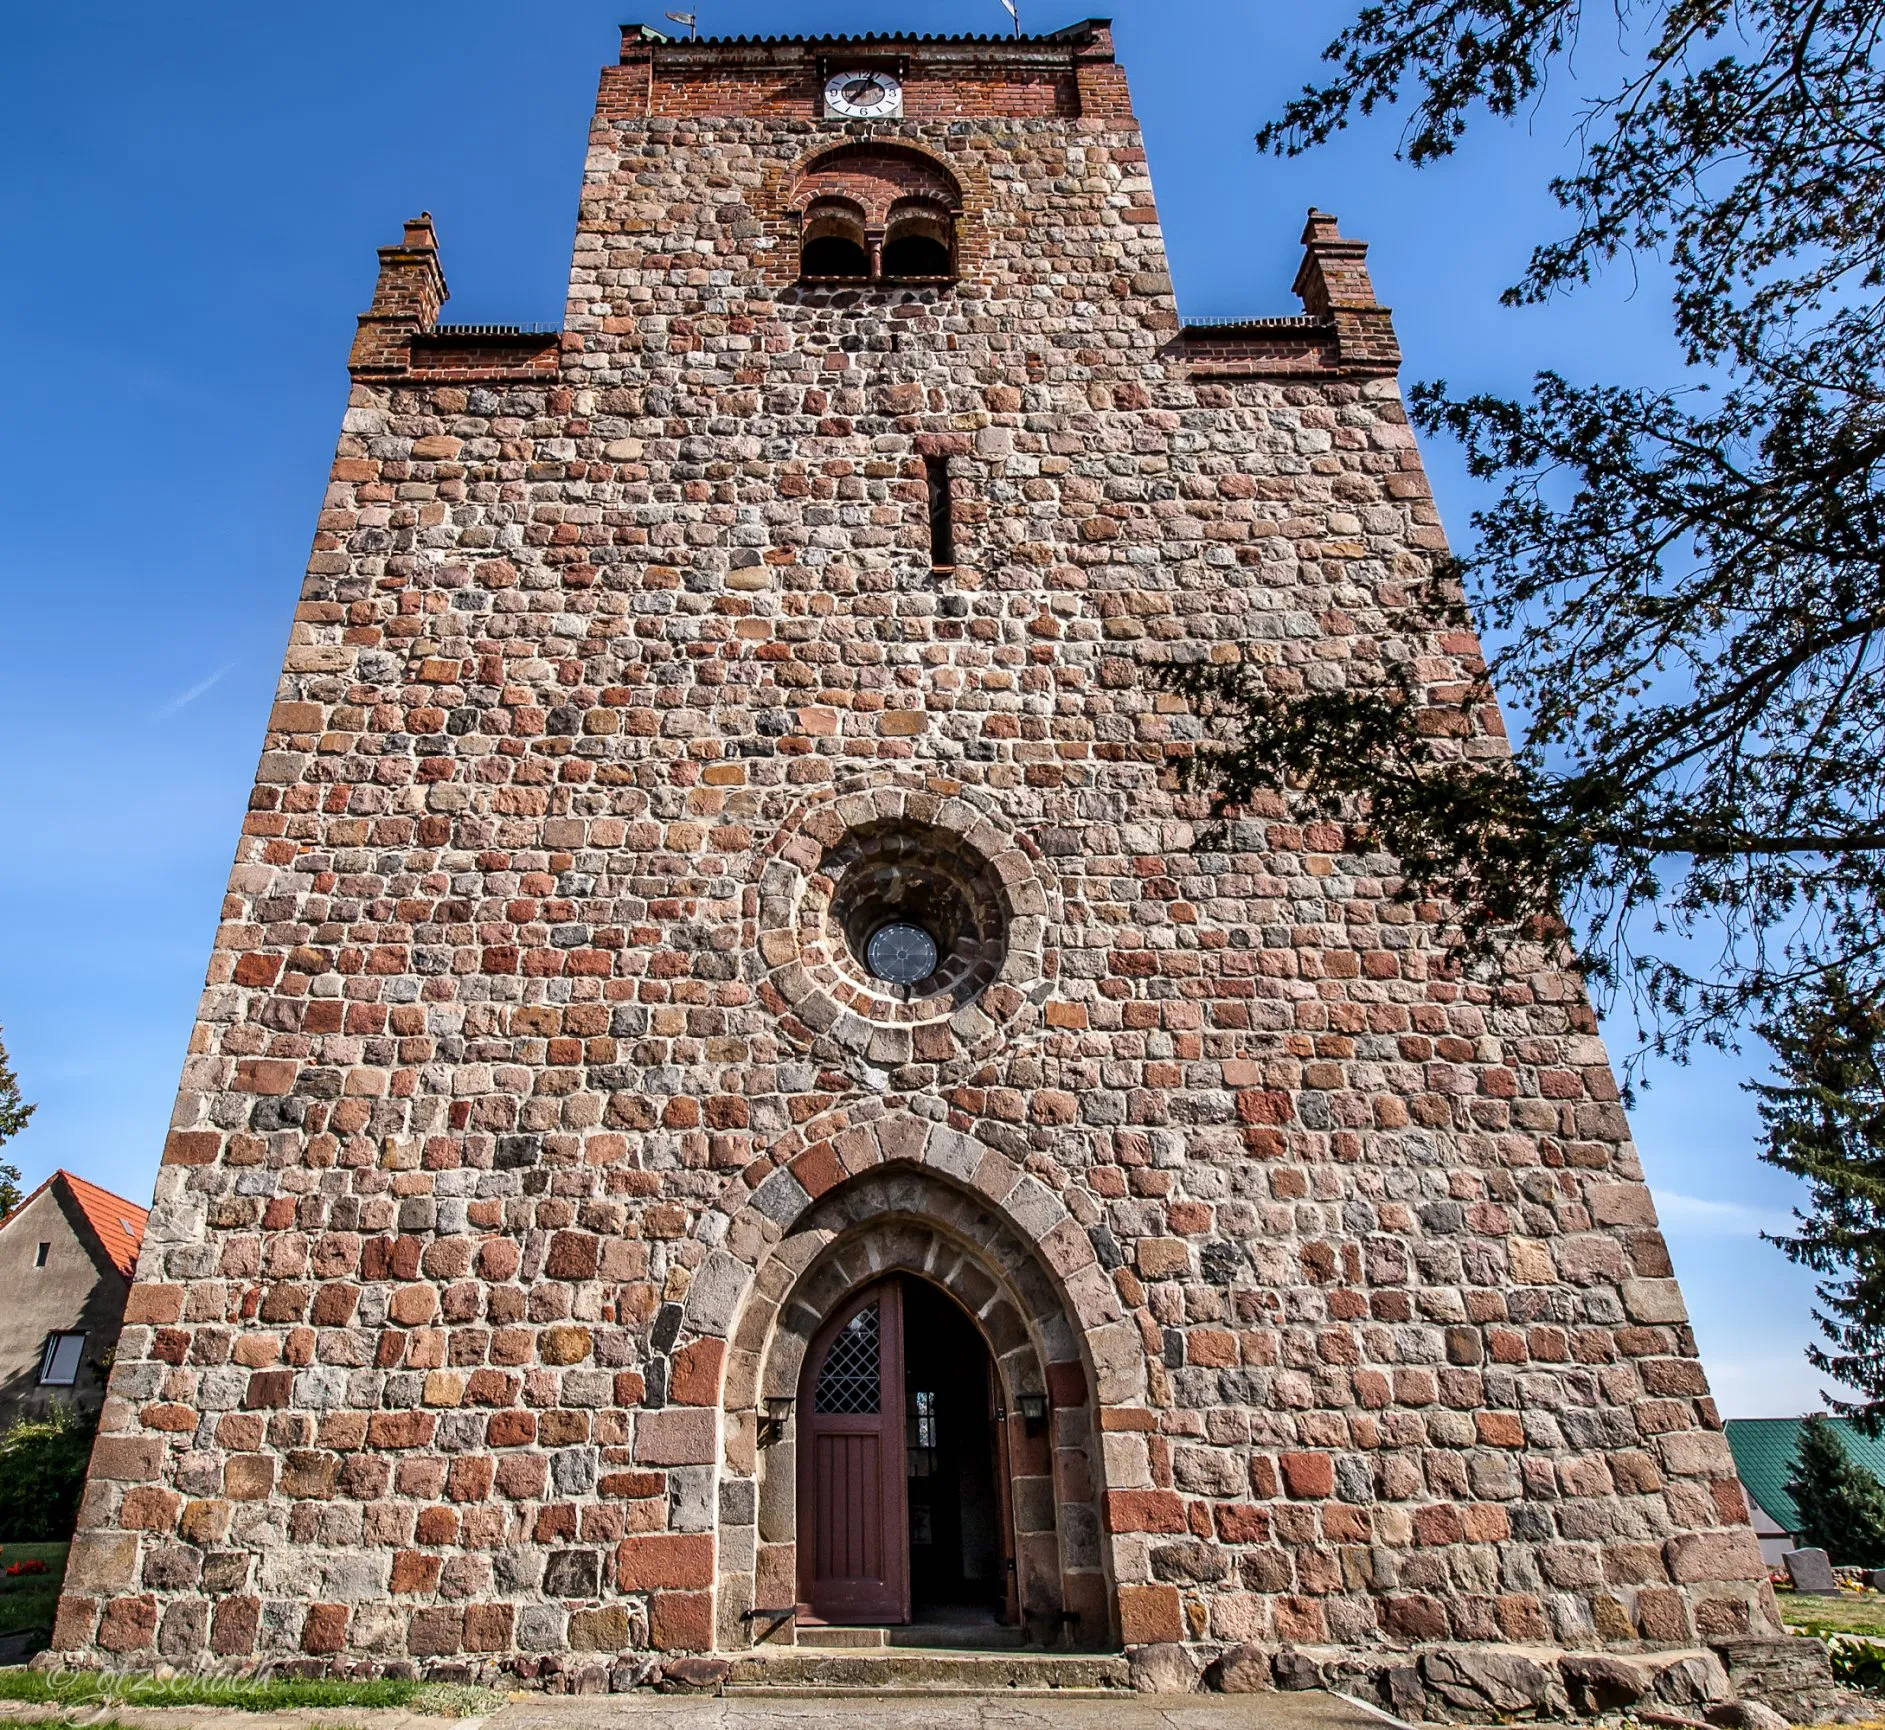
{"points": [[527, 1088]]}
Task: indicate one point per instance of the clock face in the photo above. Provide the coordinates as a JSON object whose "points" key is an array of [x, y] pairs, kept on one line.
{"points": [[864, 96], [901, 953]]}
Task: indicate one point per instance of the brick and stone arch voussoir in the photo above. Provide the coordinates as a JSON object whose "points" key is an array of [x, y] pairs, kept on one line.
{"points": [[872, 174], [917, 1220], [901, 1194], [827, 1005]]}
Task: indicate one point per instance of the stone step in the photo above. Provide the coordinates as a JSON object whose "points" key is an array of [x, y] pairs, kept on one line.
{"points": [[914, 1671], [910, 1691], [955, 1637], [822, 1637]]}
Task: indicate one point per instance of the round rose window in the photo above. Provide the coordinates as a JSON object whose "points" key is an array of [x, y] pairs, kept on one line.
{"points": [[913, 911], [903, 934]]}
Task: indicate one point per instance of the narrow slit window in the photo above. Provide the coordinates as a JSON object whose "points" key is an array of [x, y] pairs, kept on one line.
{"points": [[942, 515], [45, 1249]]}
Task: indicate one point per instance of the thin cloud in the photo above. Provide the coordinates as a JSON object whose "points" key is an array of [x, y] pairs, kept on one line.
{"points": [[188, 697], [1702, 1217]]}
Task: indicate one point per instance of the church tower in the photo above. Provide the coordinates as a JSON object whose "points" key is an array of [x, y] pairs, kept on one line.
{"points": [[735, 1098]]}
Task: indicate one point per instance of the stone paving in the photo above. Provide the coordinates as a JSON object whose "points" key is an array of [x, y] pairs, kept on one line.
{"points": [[1278, 1711]]}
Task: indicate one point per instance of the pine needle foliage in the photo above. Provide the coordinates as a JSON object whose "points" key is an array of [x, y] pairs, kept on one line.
{"points": [[1840, 1504], [14, 1111], [1823, 1121]]}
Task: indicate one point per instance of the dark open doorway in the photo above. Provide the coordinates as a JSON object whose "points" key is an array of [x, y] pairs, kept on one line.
{"points": [[957, 1558], [904, 1513]]}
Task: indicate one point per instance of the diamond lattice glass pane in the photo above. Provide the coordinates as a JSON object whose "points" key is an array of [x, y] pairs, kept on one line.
{"points": [[848, 1382]]}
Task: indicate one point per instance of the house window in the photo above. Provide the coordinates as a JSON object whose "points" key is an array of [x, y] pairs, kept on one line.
{"points": [[45, 1249], [59, 1368]]}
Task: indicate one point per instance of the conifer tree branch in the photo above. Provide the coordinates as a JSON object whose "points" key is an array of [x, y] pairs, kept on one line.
{"points": [[1687, 587]]}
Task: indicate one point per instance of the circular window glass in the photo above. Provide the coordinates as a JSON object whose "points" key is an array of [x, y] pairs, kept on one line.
{"points": [[901, 953]]}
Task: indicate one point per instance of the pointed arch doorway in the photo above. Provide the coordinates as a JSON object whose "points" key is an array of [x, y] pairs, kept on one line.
{"points": [[904, 1508]]}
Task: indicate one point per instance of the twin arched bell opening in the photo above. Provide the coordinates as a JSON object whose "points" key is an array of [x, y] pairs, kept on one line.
{"points": [[835, 242], [916, 243], [876, 212]]}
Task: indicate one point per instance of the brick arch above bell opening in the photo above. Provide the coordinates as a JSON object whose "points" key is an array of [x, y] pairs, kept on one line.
{"points": [[876, 177]]}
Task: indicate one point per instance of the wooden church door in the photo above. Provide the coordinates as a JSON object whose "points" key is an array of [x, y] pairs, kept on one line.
{"points": [[854, 1558]]}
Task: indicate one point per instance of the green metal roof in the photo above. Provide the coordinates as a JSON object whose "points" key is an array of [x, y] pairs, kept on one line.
{"points": [[1764, 1450]]}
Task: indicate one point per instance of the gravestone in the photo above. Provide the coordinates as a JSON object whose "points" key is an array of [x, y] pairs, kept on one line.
{"points": [[1811, 1571]]}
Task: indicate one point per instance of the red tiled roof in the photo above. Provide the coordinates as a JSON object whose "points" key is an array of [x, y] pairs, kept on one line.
{"points": [[118, 1223]]}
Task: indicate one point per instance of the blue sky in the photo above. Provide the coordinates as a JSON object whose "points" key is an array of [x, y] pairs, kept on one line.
{"points": [[193, 197]]}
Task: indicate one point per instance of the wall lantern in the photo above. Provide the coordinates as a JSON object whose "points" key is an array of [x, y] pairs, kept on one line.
{"points": [[1033, 1412], [778, 1415]]}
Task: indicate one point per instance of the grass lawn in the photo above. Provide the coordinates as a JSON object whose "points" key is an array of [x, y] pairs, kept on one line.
{"points": [[1849, 1613], [243, 1693], [29, 1600]]}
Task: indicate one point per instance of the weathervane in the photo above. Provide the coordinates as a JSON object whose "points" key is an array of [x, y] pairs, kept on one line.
{"points": [[692, 21]]}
